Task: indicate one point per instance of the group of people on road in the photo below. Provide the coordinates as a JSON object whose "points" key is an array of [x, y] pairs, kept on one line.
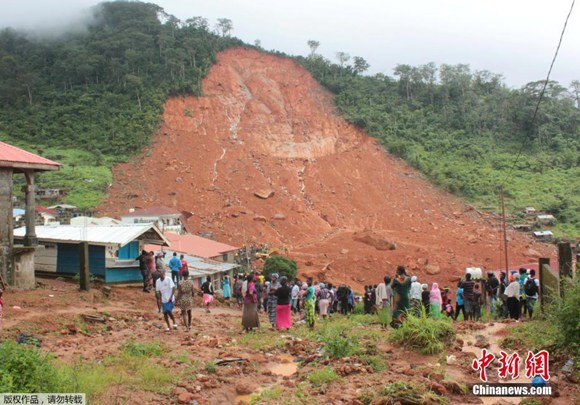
{"points": [[280, 298], [404, 295]]}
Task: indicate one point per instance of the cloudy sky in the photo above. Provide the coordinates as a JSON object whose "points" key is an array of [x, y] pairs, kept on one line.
{"points": [[516, 38]]}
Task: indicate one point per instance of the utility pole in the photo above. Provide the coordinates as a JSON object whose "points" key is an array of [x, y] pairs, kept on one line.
{"points": [[504, 229]]}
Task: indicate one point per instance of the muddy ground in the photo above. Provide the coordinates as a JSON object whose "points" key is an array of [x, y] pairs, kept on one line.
{"points": [[282, 367]]}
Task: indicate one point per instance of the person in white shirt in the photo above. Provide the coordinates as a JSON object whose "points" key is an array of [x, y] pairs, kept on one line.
{"points": [[512, 292], [166, 294], [415, 296], [383, 294], [295, 294]]}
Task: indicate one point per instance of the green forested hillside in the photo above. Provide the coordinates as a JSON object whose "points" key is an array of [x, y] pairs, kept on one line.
{"points": [[465, 130], [93, 98]]}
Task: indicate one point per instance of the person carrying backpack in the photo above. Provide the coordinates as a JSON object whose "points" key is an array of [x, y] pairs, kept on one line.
{"points": [[531, 289]]}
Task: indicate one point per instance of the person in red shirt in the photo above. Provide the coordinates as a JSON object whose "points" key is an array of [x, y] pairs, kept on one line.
{"points": [[183, 265]]}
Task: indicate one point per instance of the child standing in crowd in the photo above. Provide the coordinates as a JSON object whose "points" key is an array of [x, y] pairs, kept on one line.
{"points": [[207, 289]]}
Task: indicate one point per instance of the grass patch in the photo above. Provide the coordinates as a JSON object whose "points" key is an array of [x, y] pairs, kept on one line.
{"points": [[424, 335], [210, 367], [384, 317], [410, 393], [142, 349], [263, 340], [270, 394], [377, 362], [321, 377], [525, 336]]}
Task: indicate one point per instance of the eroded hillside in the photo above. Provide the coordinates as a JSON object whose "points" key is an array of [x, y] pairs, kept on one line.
{"points": [[344, 207]]}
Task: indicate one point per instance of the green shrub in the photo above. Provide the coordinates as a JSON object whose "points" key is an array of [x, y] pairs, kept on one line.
{"points": [[339, 346], [567, 316], [281, 265], [210, 367], [424, 335], [26, 369]]}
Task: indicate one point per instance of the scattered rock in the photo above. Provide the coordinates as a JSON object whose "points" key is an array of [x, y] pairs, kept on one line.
{"points": [[392, 246], [454, 387], [432, 269], [264, 193], [213, 342], [372, 239], [185, 398], [481, 342], [438, 388], [244, 388]]}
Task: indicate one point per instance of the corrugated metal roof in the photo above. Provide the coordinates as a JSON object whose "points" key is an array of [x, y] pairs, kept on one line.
{"points": [[11, 156], [97, 235], [18, 212], [198, 246]]}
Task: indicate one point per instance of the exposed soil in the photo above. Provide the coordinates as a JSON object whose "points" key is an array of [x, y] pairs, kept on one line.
{"points": [[264, 157], [54, 314]]}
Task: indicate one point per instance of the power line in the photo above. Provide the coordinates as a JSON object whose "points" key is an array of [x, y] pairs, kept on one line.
{"points": [[542, 92]]}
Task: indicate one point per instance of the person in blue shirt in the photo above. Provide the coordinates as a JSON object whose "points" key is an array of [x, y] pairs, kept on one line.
{"points": [[460, 303], [175, 265]]}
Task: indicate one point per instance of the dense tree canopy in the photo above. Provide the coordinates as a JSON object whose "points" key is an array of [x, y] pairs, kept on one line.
{"points": [[464, 129]]}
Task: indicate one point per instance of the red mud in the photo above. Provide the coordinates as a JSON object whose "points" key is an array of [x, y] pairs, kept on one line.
{"points": [[340, 200]]}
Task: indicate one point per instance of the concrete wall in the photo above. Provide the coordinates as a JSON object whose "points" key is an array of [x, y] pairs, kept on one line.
{"points": [[24, 269], [6, 225], [45, 258]]}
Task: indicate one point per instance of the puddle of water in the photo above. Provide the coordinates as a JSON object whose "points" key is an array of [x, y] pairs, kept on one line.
{"points": [[285, 367], [282, 365]]}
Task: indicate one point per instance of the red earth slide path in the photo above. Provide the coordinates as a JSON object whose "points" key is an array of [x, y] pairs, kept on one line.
{"points": [[265, 157]]}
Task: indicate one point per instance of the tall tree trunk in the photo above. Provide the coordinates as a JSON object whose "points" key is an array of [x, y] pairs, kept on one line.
{"points": [[29, 94]]}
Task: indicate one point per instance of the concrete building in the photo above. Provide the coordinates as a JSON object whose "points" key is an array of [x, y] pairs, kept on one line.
{"points": [[17, 261], [165, 218]]}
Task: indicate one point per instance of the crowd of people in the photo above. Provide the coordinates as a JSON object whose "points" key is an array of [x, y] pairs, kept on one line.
{"points": [[513, 295], [249, 253]]}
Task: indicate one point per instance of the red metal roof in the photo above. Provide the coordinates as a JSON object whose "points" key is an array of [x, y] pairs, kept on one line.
{"points": [[43, 210], [11, 156], [196, 245]]}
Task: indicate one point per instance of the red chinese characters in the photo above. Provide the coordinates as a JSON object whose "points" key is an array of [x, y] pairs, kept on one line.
{"points": [[482, 363], [535, 365], [509, 366], [538, 364]]}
